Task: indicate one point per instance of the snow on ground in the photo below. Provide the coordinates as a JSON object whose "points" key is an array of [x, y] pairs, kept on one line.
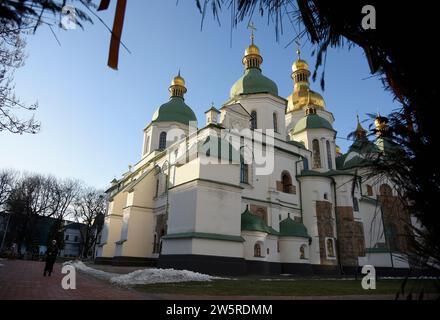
{"points": [[148, 276], [80, 266], [144, 276]]}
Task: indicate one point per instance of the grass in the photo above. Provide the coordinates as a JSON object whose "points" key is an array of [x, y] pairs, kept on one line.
{"points": [[283, 287]]}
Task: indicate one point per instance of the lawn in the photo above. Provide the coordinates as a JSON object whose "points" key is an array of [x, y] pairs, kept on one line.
{"points": [[283, 287]]}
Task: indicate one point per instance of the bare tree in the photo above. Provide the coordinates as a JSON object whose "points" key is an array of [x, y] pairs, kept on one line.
{"points": [[89, 209], [12, 57], [7, 179], [63, 194]]}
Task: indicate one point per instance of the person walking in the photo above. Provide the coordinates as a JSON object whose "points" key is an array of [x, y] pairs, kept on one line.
{"points": [[51, 256]]}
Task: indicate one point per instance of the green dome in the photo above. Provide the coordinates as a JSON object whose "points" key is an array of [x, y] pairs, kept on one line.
{"points": [[251, 222], [291, 228], [253, 81], [312, 121], [175, 110]]}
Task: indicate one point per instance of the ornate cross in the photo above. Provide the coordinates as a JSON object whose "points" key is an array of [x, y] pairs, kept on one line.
{"points": [[252, 27]]}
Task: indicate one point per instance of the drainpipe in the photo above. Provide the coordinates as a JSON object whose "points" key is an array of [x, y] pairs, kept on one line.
{"points": [[338, 254]]}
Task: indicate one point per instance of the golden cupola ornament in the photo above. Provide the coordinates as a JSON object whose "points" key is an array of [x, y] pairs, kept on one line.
{"points": [[302, 95]]}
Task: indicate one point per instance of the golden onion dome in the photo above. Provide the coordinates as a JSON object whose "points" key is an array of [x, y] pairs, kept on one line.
{"points": [[338, 150], [178, 81], [252, 49], [303, 97], [300, 65]]}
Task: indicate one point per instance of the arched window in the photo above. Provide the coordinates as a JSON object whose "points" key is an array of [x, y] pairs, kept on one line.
{"points": [[329, 155], [286, 180], [316, 154], [302, 252], [254, 120], [162, 140], [257, 250], [330, 247], [244, 172], [275, 122]]}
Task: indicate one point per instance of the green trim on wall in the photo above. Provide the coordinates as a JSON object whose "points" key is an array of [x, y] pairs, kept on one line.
{"points": [[377, 250], [203, 235], [369, 200], [273, 203], [207, 180]]}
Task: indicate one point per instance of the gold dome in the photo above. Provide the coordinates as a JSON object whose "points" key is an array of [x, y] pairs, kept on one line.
{"points": [[381, 124], [302, 97], [252, 49], [300, 65], [360, 132], [178, 81], [177, 87], [338, 150]]}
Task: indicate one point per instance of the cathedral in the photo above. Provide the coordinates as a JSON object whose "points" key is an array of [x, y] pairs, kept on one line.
{"points": [[260, 188]]}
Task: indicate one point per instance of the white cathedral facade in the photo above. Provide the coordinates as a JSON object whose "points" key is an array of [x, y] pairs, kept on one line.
{"points": [[201, 199]]}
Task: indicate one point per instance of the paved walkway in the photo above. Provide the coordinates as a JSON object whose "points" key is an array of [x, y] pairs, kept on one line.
{"points": [[23, 280]]}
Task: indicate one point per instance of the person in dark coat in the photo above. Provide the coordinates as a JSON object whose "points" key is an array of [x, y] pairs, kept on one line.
{"points": [[51, 256]]}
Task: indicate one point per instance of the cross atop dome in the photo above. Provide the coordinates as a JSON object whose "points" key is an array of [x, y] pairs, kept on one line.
{"points": [[298, 48], [252, 27]]}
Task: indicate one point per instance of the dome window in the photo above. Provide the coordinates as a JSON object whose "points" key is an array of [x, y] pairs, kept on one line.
{"points": [[257, 250], [275, 122], [253, 120], [162, 140], [316, 154], [329, 155]]}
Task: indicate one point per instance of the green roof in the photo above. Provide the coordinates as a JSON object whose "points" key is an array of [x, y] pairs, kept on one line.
{"points": [[297, 144], [329, 173], [312, 121], [253, 81], [291, 228], [251, 222], [357, 155], [363, 145], [175, 110]]}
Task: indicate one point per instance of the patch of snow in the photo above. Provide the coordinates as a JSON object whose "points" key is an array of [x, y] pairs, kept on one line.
{"points": [[144, 276], [80, 266], [148, 276]]}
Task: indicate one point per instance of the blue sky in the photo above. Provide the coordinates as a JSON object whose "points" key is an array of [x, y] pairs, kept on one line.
{"points": [[93, 117]]}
